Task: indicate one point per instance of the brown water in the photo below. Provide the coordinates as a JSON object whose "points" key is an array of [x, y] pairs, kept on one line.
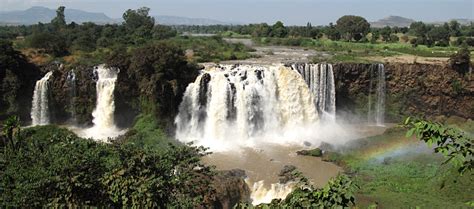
{"points": [[266, 161], [266, 164]]}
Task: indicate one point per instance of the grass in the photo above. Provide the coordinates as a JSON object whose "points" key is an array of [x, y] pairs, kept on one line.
{"points": [[395, 172], [146, 133], [342, 51]]}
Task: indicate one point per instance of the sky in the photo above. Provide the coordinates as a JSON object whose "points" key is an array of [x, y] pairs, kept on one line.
{"points": [[291, 12]]}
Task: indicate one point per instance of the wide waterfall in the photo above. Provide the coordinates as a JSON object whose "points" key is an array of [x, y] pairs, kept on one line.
{"points": [[103, 113], [234, 103], [377, 115], [40, 108], [320, 80]]}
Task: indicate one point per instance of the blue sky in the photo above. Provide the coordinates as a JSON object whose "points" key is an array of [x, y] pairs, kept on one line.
{"points": [[291, 12]]}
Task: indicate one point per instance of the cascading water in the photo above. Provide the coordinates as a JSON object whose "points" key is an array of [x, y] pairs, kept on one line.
{"points": [[260, 194], [245, 104], [320, 80], [40, 108], [377, 75], [71, 82], [103, 114]]}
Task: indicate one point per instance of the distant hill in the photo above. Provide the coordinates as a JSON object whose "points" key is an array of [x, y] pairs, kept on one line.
{"points": [[175, 20], [37, 14], [392, 21], [398, 21]]}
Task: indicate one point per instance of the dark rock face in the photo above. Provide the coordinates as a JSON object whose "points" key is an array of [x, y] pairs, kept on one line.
{"points": [[230, 188], [286, 174], [68, 107], [17, 82], [412, 89]]}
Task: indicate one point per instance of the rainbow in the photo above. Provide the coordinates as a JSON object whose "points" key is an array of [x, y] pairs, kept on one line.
{"points": [[386, 148]]}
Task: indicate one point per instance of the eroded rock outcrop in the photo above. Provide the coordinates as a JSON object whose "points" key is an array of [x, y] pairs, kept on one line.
{"points": [[412, 89]]}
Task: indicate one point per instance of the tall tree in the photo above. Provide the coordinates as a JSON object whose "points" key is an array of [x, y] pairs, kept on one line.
{"points": [[138, 23], [352, 27], [279, 30], [60, 20]]}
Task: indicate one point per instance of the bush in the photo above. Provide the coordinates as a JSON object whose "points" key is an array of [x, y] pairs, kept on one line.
{"points": [[52, 43], [52, 167]]}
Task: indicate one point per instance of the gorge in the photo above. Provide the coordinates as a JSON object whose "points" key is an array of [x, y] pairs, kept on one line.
{"points": [[259, 109]]}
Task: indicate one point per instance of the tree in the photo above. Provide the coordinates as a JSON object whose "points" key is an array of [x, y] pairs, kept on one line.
{"points": [[440, 33], [332, 32], [386, 32], [418, 29], [454, 28], [279, 30], [452, 143], [60, 20], [138, 23], [54, 44], [352, 27]]}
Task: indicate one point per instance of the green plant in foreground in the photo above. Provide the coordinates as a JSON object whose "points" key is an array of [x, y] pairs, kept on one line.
{"points": [[451, 142]]}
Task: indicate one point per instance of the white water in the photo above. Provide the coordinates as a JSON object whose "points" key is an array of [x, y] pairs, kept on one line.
{"points": [[40, 109], [104, 126], [320, 80], [379, 77], [229, 105], [261, 194]]}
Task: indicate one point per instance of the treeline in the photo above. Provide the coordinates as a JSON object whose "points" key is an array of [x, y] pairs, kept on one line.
{"points": [[351, 28], [59, 38]]}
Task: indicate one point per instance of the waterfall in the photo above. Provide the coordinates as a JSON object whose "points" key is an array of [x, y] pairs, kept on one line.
{"points": [[377, 76], [40, 109], [260, 194], [232, 103], [71, 82], [320, 80], [103, 113]]}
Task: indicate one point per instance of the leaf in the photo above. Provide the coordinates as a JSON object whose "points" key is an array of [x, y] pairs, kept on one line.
{"points": [[410, 133]]}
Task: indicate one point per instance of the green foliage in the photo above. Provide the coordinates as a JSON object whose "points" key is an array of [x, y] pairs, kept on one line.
{"points": [[279, 30], [51, 42], [52, 167], [60, 20], [14, 73], [352, 27], [146, 134], [455, 145], [139, 24], [212, 49]]}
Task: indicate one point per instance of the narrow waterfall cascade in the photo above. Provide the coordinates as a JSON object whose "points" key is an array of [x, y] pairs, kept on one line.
{"points": [[376, 112], [40, 108], [245, 104], [104, 126], [320, 80], [261, 194], [71, 82]]}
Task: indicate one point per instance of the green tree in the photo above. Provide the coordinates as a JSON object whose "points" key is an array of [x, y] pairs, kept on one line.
{"points": [[454, 28], [386, 32], [454, 144], [419, 29], [439, 34], [279, 30], [138, 23], [54, 44], [332, 32], [352, 27], [60, 20]]}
